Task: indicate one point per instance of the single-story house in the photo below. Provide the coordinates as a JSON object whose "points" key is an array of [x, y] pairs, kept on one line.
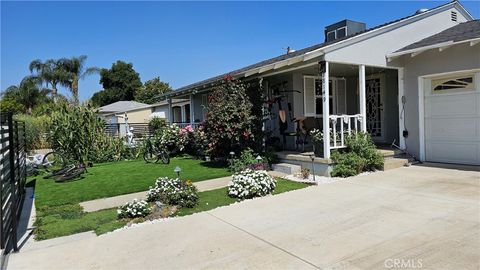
{"points": [[414, 81], [139, 114]]}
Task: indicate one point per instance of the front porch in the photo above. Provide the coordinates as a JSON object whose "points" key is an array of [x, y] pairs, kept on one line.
{"points": [[360, 99]]}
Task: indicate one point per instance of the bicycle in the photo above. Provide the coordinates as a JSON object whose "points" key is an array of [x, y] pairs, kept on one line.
{"points": [[53, 161], [154, 152]]}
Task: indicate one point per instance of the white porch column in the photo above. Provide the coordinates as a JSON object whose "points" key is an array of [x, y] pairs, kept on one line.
{"points": [[362, 97], [325, 112], [183, 114], [401, 104], [170, 111], [192, 110]]}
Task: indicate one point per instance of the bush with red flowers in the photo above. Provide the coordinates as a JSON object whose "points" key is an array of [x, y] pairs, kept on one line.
{"points": [[230, 123]]}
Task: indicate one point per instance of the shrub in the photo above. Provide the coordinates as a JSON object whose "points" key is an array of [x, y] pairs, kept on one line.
{"points": [[36, 129], [134, 209], [157, 123], [79, 134], [229, 123], [360, 155], [171, 137], [174, 192], [249, 183]]}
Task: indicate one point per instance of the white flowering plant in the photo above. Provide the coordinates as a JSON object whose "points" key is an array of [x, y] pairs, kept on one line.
{"points": [[173, 191], [251, 183], [134, 209]]}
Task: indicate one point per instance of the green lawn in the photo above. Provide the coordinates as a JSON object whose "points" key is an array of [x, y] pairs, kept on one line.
{"points": [[123, 177], [61, 220], [215, 198]]}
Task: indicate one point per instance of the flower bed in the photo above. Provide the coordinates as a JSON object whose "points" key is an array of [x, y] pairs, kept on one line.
{"points": [[173, 192], [134, 209], [249, 183]]}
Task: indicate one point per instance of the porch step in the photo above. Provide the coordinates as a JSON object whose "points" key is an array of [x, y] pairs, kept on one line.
{"points": [[287, 168], [393, 163], [389, 153]]}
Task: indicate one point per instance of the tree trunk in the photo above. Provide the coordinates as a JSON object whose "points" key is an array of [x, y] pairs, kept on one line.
{"points": [[54, 93], [75, 91]]}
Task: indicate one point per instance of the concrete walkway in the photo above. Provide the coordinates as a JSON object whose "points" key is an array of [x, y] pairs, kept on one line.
{"points": [[105, 203], [416, 215]]}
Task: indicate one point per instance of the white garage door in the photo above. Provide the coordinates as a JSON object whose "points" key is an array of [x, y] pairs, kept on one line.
{"points": [[452, 119]]}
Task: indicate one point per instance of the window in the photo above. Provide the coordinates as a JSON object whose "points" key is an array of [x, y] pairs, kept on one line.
{"points": [[313, 96], [331, 35], [453, 83], [341, 32], [319, 97]]}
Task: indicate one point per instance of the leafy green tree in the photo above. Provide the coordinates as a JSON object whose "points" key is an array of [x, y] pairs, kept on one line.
{"points": [[10, 105], [119, 83], [27, 93], [76, 70], [151, 89], [51, 73]]}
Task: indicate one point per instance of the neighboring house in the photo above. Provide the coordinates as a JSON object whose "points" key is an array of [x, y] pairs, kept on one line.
{"points": [[137, 112], [180, 111], [142, 113], [414, 81]]}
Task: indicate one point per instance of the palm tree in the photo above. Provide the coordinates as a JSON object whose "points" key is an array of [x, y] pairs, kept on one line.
{"points": [[75, 68], [51, 73], [27, 93]]}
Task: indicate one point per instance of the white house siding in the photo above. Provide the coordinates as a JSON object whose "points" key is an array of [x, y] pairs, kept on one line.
{"points": [[456, 58], [372, 51]]}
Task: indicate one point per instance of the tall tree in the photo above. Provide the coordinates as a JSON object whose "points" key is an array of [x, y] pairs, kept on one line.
{"points": [[151, 89], [27, 93], [51, 73], [76, 71], [119, 83]]}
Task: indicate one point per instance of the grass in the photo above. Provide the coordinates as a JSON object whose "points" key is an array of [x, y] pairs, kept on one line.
{"points": [[61, 220], [56, 221], [215, 198], [117, 178]]}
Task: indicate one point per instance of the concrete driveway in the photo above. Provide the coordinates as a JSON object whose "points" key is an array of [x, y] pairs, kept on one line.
{"points": [[416, 217]]}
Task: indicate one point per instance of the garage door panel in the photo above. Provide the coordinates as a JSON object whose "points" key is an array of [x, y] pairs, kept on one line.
{"points": [[459, 129], [452, 126], [465, 153], [451, 105]]}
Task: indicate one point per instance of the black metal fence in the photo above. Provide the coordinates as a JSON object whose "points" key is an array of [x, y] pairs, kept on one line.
{"points": [[13, 178]]}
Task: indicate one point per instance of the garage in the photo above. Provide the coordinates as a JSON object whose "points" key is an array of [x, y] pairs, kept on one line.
{"points": [[452, 118]]}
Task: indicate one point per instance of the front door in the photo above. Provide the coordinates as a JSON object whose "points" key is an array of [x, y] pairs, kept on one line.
{"points": [[374, 101]]}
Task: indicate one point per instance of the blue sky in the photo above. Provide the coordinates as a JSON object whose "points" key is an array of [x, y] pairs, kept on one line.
{"points": [[182, 42]]}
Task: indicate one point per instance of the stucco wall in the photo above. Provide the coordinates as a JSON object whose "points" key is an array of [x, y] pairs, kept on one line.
{"points": [[139, 116], [373, 51], [456, 58]]}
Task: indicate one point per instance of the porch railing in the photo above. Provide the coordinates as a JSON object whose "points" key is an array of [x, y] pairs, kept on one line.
{"points": [[340, 125], [185, 124]]}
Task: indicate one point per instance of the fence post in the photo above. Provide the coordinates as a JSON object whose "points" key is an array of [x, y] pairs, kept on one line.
{"points": [[11, 150]]}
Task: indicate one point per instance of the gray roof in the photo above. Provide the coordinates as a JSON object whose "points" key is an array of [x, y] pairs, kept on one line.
{"points": [[122, 106], [290, 55], [460, 32]]}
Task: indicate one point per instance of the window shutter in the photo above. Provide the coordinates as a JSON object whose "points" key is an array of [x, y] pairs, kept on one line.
{"points": [[309, 95], [341, 97]]}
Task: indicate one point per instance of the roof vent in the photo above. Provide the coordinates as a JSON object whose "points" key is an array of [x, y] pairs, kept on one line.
{"points": [[422, 10], [453, 16], [290, 50], [342, 29]]}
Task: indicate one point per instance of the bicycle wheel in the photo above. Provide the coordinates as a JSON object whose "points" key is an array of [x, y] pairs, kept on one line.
{"points": [[70, 175], [150, 157], [52, 161], [165, 157]]}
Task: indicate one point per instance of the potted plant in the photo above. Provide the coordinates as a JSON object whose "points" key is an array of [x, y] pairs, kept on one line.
{"points": [[317, 140]]}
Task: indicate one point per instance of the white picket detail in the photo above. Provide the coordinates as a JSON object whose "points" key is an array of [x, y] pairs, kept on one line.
{"points": [[343, 123]]}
